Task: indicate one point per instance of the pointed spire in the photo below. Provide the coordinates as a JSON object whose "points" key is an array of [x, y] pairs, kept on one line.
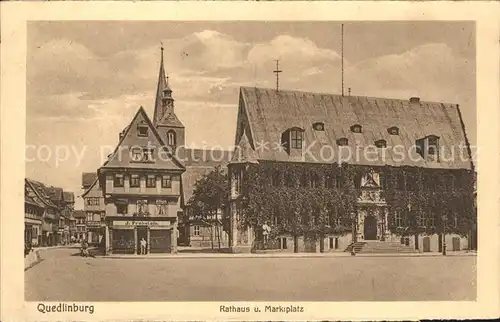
{"points": [[164, 101]]}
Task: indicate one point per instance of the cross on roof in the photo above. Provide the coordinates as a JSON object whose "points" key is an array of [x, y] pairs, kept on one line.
{"points": [[277, 71]]}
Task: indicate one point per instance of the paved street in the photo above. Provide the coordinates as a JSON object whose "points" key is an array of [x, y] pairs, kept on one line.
{"points": [[62, 276]]}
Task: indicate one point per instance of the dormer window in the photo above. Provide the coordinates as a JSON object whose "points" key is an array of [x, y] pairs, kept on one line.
{"points": [[292, 139], [428, 147], [296, 137], [142, 130], [342, 141], [381, 144], [356, 128], [394, 130], [432, 144], [318, 126]]}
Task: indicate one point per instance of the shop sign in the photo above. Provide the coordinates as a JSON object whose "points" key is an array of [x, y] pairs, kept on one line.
{"points": [[141, 223], [93, 224], [32, 221]]}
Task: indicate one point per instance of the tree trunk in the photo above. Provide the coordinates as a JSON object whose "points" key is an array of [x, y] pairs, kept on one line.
{"points": [[295, 244], [322, 243]]}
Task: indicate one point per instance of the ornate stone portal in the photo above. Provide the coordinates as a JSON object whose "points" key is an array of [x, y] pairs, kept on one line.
{"points": [[372, 221]]}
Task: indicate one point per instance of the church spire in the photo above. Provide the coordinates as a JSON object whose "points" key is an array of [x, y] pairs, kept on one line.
{"points": [[164, 103]]}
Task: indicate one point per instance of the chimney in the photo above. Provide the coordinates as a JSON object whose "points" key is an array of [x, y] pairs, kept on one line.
{"points": [[415, 100]]}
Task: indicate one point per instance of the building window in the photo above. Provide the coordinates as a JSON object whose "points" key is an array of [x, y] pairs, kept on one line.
{"points": [[151, 182], [318, 126], [393, 130], [398, 220], [121, 208], [135, 181], [330, 182], [431, 222], [237, 181], [142, 206], [118, 182], [171, 139], [142, 130], [161, 207], [283, 243], [136, 155], [148, 155], [275, 179], [356, 128], [296, 136], [196, 230], [381, 144], [432, 144], [314, 180], [342, 141], [166, 182], [92, 201]]}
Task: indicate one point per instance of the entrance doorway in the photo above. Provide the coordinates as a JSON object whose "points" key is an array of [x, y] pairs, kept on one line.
{"points": [[141, 233], [427, 244], [370, 228]]}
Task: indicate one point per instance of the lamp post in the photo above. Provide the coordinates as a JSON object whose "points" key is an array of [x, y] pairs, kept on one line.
{"points": [[444, 234], [353, 231]]}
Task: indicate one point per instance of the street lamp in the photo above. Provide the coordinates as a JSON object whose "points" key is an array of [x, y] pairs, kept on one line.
{"points": [[444, 219], [353, 231]]}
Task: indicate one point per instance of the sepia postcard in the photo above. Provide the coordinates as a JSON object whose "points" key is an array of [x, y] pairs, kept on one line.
{"points": [[250, 161]]}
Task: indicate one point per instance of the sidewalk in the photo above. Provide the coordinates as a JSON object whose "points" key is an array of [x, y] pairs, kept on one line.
{"points": [[34, 256], [278, 255]]}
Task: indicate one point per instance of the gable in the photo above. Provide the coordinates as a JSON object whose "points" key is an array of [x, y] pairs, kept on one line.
{"points": [[270, 113], [141, 147], [39, 192]]}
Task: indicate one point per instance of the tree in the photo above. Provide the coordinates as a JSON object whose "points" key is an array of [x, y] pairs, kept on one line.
{"points": [[210, 199]]}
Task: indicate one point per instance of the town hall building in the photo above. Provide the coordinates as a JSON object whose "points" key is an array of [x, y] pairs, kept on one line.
{"points": [[292, 129]]}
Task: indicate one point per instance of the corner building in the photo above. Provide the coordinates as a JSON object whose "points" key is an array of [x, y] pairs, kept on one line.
{"points": [[141, 180]]}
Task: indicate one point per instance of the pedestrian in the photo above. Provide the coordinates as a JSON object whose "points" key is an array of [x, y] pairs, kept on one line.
{"points": [[143, 246]]}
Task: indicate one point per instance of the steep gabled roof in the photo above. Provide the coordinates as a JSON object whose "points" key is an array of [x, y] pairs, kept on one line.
{"points": [[170, 120], [121, 158], [68, 196], [243, 152], [79, 214], [42, 193], [96, 180], [56, 193], [270, 113], [88, 179]]}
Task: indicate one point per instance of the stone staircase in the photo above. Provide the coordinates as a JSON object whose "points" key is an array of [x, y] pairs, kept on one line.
{"points": [[379, 247]]}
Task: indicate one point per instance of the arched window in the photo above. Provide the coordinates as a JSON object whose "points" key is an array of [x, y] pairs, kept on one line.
{"points": [[171, 140], [356, 128]]}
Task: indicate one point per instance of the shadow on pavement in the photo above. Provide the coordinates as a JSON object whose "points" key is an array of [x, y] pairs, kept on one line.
{"points": [[202, 250]]}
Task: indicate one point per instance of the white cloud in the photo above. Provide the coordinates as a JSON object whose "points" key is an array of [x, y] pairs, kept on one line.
{"points": [[298, 51]]}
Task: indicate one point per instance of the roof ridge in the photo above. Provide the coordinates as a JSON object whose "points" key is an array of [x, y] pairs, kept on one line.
{"points": [[347, 97]]}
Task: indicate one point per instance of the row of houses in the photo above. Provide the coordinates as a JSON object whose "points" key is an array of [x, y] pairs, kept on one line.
{"points": [[48, 214]]}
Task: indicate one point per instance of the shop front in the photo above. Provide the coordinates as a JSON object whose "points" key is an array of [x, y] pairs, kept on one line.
{"points": [[140, 236], [32, 232]]}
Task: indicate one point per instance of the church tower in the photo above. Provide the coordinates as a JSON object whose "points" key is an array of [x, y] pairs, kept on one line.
{"points": [[166, 122]]}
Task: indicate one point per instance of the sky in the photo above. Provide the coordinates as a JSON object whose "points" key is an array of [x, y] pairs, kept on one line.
{"points": [[86, 80]]}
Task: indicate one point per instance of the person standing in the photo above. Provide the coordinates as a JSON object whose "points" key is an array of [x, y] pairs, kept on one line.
{"points": [[143, 246]]}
